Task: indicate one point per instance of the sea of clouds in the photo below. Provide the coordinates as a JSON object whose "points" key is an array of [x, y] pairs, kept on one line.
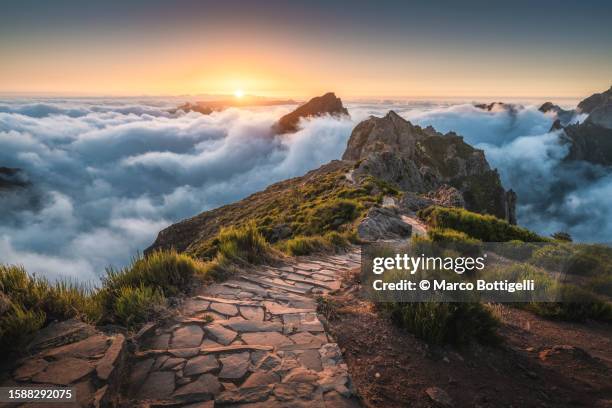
{"points": [[107, 175]]}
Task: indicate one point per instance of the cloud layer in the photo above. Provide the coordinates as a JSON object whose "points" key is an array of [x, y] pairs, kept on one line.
{"points": [[110, 175], [107, 175]]}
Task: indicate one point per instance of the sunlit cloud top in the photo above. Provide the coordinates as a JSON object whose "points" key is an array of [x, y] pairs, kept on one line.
{"points": [[282, 48]]}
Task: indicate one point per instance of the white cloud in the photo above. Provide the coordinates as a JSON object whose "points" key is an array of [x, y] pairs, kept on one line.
{"points": [[108, 175]]}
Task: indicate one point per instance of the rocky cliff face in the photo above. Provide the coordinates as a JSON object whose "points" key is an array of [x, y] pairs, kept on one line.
{"points": [[591, 140], [421, 160], [327, 104], [595, 101]]}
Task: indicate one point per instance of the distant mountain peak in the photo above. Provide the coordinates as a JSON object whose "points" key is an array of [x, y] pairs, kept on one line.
{"points": [[328, 104]]}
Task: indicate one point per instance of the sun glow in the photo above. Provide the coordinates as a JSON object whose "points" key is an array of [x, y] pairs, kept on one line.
{"points": [[238, 93]]}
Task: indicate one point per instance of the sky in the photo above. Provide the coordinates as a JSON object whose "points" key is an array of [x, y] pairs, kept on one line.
{"points": [[381, 49]]}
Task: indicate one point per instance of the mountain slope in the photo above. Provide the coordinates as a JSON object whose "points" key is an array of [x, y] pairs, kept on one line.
{"points": [[384, 156]]}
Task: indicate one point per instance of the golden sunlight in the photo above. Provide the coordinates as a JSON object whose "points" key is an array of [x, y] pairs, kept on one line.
{"points": [[238, 93]]}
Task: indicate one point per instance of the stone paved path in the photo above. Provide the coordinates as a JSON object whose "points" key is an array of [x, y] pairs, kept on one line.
{"points": [[253, 341]]}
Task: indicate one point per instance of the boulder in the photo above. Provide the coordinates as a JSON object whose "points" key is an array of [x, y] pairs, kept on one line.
{"points": [[383, 223]]}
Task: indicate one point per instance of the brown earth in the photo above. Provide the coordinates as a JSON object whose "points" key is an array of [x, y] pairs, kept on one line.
{"points": [[540, 363]]}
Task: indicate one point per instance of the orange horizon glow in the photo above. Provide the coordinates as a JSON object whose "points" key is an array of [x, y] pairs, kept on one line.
{"points": [[270, 67]]}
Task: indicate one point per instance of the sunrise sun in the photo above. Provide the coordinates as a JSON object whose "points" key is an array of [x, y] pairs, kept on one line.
{"points": [[238, 93]]}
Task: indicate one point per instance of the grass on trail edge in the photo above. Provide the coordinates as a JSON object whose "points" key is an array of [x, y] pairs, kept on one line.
{"points": [[127, 296], [134, 294]]}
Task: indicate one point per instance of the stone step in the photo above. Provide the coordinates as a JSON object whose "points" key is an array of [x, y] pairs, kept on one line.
{"points": [[286, 288], [302, 278], [229, 301]]}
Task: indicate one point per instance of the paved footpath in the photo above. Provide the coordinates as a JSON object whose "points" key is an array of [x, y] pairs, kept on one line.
{"points": [[252, 341]]}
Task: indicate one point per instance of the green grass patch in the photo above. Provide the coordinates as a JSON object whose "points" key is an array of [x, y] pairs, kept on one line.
{"points": [[456, 240], [127, 296], [486, 228], [305, 245], [313, 205], [136, 305], [445, 323]]}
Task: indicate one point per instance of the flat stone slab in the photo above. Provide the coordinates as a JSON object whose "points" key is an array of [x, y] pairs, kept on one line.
{"points": [[159, 342], [187, 336], [205, 385], [29, 368], [107, 364], [237, 347], [220, 334], [88, 348], [171, 363], [245, 396], [260, 378], [268, 338], [158, 385], [64, 371], [252, 313], [234, 365], [193, 306], [307, 338], [59, 333], [224, 309], [278, 309], [311, 359], [248, 326], [200, 364]]}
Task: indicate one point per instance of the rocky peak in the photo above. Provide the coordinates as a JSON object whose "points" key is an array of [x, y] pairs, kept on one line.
{"points": [[563, 116], [590, 140], [321, 105], [390, 133], [422, 160], [595, 101]]}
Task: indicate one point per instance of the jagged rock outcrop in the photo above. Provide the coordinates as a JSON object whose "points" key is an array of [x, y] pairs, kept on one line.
{"points": [[595, 101], [383, 223], [447, 196], [601, 116], [421, 160], [563, 117], [591, 140], [588, 142], [321, 105]]}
